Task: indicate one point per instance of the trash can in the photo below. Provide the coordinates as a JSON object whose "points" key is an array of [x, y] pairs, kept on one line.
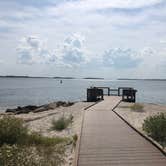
{"points": [[129, 95], [94, 94]]}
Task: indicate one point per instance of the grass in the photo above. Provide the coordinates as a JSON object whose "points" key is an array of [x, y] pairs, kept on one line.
{"points": [[62, 123], [137, 107], [16, 155], [12, 131], [155, 127], [39, 140], [125, 106], [74, 140], [19, 147]]}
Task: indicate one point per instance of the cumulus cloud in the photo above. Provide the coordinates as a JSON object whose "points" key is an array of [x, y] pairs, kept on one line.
{"points": [[152, 57], [32, 50], [73, 51], [147, 52], [121, 58]]}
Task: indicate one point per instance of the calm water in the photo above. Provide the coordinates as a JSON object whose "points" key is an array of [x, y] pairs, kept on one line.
{"points": [[24, 91]]}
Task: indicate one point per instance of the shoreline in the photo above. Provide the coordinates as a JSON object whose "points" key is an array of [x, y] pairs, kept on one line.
{"points": [[41, 121], [3, 108]]}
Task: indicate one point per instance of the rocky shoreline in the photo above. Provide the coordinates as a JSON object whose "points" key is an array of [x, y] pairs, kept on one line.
{"points": [[36, 109]]}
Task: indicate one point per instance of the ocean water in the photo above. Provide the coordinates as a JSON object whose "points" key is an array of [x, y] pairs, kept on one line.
{"points": [[25, 91]]}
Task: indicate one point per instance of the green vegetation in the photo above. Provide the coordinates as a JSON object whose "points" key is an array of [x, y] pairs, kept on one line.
{"points": [[18, 147], [137, 107], [16, 155], [39, 140], [74, 140], [155, 127], [12, 131], [62, 123]]}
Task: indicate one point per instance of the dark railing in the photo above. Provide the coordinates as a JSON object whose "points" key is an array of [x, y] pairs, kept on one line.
{"points": [[96, 93], [103, 87]]}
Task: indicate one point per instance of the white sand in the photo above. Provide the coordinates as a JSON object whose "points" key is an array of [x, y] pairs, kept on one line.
{"points": [[136, 118]]}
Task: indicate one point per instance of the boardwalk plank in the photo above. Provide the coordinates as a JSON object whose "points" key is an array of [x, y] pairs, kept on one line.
{"points": [[108, 140]]}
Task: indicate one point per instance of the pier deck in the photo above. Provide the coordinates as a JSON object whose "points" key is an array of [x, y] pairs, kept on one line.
{"points": [[106, 140]]}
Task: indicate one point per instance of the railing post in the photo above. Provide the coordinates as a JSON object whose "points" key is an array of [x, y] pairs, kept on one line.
{"points": [[108, 91], [118, 91]]}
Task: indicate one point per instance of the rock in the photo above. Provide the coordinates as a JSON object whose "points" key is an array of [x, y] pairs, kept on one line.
{"points": [[64, 104], [36, 109], [21, 110], [40, 109], [10, 110]]}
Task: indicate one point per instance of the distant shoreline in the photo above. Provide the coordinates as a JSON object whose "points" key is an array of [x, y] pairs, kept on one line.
{"points": [[128, 79], [13, 76], [93, 78], [84, 78]]}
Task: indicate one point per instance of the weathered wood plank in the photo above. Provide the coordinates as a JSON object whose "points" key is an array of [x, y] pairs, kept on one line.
{"points": [[106, 140]]}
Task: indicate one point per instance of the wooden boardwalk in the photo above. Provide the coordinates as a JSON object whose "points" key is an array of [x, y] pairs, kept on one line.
{"points": [[106, 140]]}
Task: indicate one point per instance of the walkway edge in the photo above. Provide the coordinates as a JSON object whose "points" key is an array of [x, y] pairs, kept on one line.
{"points": [[140, 133], [92, 104], [78, 143], [79, 137]]}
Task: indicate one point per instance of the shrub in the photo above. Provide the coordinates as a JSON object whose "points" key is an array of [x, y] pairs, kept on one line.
{"points": [[20, 148], [17, 155], [137, 107], [62, 123], [39, 140], [74, 140], [155, 127], [12, 130]]}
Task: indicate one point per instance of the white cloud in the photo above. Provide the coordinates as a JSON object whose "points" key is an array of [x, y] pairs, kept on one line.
{"points": [[32, 50], [147, 52], [87, 5], [121, 58], [73, 51], [98, 4], [140, 24]]}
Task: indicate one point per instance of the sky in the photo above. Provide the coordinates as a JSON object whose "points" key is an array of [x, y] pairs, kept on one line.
{"points": [[83, 38]]}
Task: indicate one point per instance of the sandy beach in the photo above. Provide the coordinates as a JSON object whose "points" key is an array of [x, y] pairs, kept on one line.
{"points": [[136, 118], [41, 122]]}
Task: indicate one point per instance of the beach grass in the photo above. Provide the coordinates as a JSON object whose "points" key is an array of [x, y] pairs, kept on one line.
{"points": [[62, 123], [20, 147], [137, 107]]}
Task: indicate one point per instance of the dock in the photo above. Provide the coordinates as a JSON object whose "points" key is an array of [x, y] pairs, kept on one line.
{"points": [[106, 140]]}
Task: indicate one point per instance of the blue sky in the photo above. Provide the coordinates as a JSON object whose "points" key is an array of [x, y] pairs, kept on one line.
{"points": [[100, 38]]}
